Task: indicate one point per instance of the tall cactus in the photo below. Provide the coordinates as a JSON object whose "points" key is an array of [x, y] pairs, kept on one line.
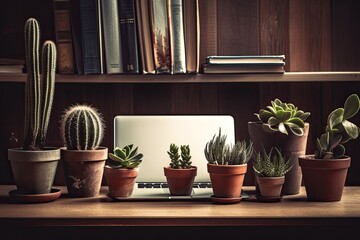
{"points": [[82, 128], [39, 88]]}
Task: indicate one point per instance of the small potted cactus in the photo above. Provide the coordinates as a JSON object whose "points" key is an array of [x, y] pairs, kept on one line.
{"points": [[180, 174], [34, 165], [82, 130], [121, 170], [270, 169], [227, 166], [325, 171], [281, 125]]}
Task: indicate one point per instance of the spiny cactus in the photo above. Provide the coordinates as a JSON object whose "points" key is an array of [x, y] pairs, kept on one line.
{"points": [[175, 161], [82, 128], [39, 89], [218, 152], [125, 157], [271, 164], [283, 117], [338, 130]]}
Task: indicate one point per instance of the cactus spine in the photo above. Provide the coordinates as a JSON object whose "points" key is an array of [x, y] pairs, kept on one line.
{"points": [[82, 128], [39, 89]]}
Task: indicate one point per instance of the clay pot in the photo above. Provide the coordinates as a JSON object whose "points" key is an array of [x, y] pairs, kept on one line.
{"points": [[180, 181], [227, 180], [270, 186], [324, 179], [34, 171], [83, 171], [290, 146], [120, 181]]}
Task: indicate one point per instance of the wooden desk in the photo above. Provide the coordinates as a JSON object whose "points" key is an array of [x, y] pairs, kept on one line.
{"points": [[293, 217]]}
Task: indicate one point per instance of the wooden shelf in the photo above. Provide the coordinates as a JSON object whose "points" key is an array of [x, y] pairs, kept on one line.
{"points": [[199, 78]]}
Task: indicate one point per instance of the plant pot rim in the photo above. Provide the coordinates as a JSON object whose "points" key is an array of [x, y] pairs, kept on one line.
{"points": [[99, 154], [270, 177], [308, 161], [180, 169], [122, 169], [311, 157], [45, 155], [259, 123], [227, 169]]}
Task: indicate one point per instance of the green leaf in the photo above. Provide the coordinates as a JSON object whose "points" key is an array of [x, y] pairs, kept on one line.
{"points": [[115, 158], [304, 116], [283, 115], [297, 121], [282, 128], [334, 141], [351, 130], [339, 151], [335, 117], [133, 153], [264, 115], [273, 121], [298, 131], [351, 106], [267, 128], [119, 153]]}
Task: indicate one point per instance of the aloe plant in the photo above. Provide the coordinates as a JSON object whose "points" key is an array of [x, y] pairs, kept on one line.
{"points": [[339, 130], [39, 88], [271, 164], [283, 117], [218, 152], [125, 157], [179, 161]]}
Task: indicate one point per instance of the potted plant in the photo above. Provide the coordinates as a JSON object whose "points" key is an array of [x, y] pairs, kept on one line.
{"points": [[270, 169], [34, 165], [82, 130], [283, 126], [325, 171], [121, 170], [180, 174], [227, 166]]}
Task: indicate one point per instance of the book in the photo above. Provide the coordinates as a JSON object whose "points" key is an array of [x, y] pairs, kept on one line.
{"points": [[244, 68], [144, 37], [111, 36], [129, 37], [63, 37], [192, 35], [160, 34], [75, 24], [177, 38], [245, 59]]}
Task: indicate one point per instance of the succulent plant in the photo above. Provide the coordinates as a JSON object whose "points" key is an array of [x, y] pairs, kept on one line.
{"points": [[39, 88], [125, 157], [283, 117], [338, 130], [82, 128], [271, 164], [218, 152], [177, 162]]}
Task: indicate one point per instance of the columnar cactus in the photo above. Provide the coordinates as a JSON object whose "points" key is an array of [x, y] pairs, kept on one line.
{"points": [[39, 88], [185, 156], [82, 128]]}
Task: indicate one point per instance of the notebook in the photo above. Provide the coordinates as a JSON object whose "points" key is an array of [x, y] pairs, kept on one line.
{"points": [[153, 134]]}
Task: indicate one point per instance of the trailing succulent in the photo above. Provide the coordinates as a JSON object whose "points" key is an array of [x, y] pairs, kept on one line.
{"points": [[218, 152], [177, 162], [271, 164], [283, 117], [338, 130], [39, 88], [125, 157], [82, 128]]}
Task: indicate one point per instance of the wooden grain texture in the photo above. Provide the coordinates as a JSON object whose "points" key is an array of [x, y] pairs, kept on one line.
{"points": [[208, 29], [310, 35], [345, 35]]}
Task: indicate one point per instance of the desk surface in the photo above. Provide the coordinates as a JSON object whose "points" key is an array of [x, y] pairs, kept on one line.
{"points": [[102, 211]]}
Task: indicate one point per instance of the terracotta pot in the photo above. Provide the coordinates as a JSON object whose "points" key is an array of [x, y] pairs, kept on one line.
{"points": [[120, 181], [290, 145], [324, 179], [227, 180], [34, 171], [270, 186], [180, 181], [83, 171]]}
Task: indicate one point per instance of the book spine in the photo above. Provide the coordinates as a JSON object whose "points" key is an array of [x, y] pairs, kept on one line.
{"points": [[65, 56], [129, 41], [177, 40], [112, 40], [160, 35], [192, 35], [90, 36], [75, 23]]}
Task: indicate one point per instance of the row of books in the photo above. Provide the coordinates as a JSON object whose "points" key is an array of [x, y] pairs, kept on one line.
{"points": [[127, 36], [245, 64]]}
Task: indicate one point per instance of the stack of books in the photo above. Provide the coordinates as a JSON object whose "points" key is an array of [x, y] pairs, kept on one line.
{"points": [[245, 64]]}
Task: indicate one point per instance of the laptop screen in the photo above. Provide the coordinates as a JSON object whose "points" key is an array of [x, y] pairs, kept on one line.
{"points": [[153, 134]]}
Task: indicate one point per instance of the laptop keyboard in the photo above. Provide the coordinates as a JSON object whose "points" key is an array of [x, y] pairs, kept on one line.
{"points": [[164, 185]]}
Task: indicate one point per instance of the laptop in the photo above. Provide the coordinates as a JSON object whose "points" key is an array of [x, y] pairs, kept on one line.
{"points": [[153, 134]]}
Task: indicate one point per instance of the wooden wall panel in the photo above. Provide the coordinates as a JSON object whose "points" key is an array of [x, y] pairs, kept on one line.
{"points": [[310, 35], [345, 35]]}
